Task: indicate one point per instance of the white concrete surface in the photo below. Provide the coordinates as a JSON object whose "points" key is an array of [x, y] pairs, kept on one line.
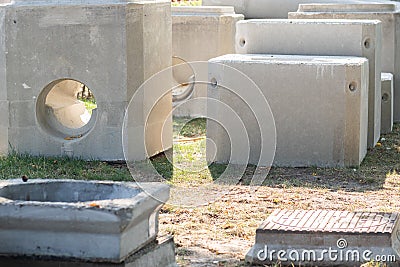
{"points": [[97, 221], [321, 37], [387, 12], [271, 9], [387, 103], [110, 46], [200, 33], [320, 106]]}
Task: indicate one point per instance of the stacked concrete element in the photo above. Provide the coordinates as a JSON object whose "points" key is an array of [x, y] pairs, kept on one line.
{"points": [[387, 103], [320, 37], [80, 220], [387, 12], [320, 112], [112, 47], [199, 34], [270, 9], [327, 238]]}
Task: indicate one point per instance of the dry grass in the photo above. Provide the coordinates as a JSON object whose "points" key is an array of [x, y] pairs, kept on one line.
{"points": [[221, 233]]}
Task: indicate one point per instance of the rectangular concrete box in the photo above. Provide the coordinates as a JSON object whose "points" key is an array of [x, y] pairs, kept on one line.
{"points": [[95, 221], [319, 105], [386, 11], [320, 37], [348, 238], [267, 9], [110, 46], [200, 33], [387, 103]]}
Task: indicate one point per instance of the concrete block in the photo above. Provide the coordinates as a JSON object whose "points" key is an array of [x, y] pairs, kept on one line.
{"points": [[267, 9], [387, 103], [388, 12], [199, 34], [319, 37], [327, 238], [111, 47], [95, 221], [320, 111], [160, 253]]}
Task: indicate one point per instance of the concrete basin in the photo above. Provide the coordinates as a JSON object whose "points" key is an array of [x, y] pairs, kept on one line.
{"points": [[91, 220]]}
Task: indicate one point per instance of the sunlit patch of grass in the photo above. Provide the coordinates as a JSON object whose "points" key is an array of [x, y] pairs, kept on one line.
{"points": [[90, 104], [186, 3]]}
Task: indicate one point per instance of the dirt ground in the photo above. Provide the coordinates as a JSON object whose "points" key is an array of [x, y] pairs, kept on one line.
{"points": [[221, 233]]}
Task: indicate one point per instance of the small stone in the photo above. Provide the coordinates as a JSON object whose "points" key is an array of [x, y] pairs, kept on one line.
{"points": [[24, 178]]}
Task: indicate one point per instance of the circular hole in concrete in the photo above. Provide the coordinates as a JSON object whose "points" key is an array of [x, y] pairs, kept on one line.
{"points": [[367, 43], [184, 78], [66, 108], [385, 97], [214, 82], [242, 42], [353, 86]]}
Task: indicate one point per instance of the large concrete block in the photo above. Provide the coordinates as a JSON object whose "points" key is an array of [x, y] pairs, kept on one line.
{"points": [[200, 33], [387, 103], [320, 107], [111, 47], [95, 221], [320, 37], [387, 12], [268, 9]]}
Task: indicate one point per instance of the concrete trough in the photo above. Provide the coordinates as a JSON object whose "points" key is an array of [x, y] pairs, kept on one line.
{"points": [[85, 220], [319, 104], [200, 33], [387, 103], [327, 238], [361, 38], [111, 47], [388, 12]]}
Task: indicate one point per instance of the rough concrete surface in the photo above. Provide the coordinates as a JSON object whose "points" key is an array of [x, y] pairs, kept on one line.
{"points": [[387, 103]]}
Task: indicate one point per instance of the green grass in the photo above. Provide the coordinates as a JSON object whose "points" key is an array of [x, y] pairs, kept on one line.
{"points": [[16, 166], [186, 3], [90, 104]]}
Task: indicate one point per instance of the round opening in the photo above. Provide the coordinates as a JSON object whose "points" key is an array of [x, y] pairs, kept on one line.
{"points": [[184, 77], [367, 43], [353, 86], [242, 42], [213, 82], [385, 97], [67, 109]]}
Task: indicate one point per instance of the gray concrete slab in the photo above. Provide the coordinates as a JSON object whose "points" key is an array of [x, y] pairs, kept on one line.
{"points": [[387, 103], [110, 46], [387, 12], [327, 238], [159, 253], [320, 37], [86, 220], [319, 105]]}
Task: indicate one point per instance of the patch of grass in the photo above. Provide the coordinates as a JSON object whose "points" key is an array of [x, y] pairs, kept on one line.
{"points": [[187, 127], [16, 166], [90, 104], [186, 3]]}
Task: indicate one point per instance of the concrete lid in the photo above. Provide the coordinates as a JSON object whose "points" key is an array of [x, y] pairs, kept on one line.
{"points": [[356, 7], [309, 21], [291, 59], [202, 10]]}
